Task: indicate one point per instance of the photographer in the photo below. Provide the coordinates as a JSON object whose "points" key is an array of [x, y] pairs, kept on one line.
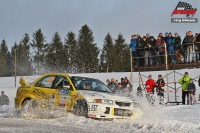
{"points": [[184, 81]]}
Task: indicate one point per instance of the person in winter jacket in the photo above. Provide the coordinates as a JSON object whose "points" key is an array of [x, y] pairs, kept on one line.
{"points": [[198, 43], [154, 52], [4, 100], [184, 81], [112, 84], [148, 53], [160, 83], [140, 53], [188, 46], [197, 47], [170, 48], [161, 49], [192, 89], [177, 43], [150, 84], [133, 45]]}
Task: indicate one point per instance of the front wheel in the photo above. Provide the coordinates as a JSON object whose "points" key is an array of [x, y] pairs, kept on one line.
{"points": [[80, 108]]}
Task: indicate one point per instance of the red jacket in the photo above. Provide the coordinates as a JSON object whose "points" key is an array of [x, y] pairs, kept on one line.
{"points": [[150, 84]]}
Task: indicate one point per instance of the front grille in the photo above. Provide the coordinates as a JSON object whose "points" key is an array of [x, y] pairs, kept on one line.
{"points": [[122, 112], [123, 104]]}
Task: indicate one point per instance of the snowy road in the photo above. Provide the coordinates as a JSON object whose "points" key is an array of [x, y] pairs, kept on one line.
{"points": [[158, 119], [173, 119]]}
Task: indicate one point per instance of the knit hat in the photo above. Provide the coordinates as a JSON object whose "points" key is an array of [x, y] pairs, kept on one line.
{"points": [[175, 33], [166, 32], [2, 91]]}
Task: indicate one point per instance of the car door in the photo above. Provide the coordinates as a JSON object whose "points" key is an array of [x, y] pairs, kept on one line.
{"points": [[46, 92], [65, 93]]}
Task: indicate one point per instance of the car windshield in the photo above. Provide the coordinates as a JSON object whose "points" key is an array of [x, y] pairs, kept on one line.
{"points": [[84, 83]]}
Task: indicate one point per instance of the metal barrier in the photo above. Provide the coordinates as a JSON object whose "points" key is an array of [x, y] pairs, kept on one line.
{"points": [[167, 84]]}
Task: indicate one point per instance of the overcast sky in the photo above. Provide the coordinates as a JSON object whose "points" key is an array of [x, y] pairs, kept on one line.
{"points": [[128, 17]]}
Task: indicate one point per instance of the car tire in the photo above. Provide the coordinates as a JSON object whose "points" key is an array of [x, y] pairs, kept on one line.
{"points": [[29, 105], [80, 108]]}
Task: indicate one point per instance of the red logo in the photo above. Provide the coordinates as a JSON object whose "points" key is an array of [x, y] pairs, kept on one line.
{"points": [[184, 8], [92, 115]]}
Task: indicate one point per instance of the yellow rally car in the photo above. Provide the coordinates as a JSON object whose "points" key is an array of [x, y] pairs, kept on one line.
{"points": [[84, 96]]}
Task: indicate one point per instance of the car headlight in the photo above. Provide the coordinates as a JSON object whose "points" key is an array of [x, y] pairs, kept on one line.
{"points": [[105, 101]]}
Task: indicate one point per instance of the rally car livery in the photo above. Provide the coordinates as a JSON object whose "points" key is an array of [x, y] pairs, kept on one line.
{"points": [[84, 96]]}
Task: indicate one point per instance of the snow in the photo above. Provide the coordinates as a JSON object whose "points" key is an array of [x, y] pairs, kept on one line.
{"points": [[154, 119]]}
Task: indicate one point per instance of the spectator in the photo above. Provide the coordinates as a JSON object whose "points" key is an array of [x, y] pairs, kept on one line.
{"points": [[133, 45], [116, 82], [177, 43], [126, 82], [122, 83], [140, 53], [184, 81], [153, 50], [196, 47], [148, 37], [160, 83], [107, 82], [4, 100], [150, 84], [147, 50], [166, 36], [161, 49], [188, 46], [112, 84], [170, 48], [162, 37], [198, 44], [139, 39], [192, 89]]}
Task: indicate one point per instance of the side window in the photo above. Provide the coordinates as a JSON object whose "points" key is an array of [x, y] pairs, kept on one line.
{"points": [[46, 82], [60, 82]]}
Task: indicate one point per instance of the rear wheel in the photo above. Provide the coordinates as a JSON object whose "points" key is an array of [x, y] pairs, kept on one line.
{"points": [[80, 108]]}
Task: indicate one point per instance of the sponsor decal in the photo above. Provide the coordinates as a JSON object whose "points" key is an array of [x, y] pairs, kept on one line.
{"points": [[64, 92], [184, 8], [92, 115], [39, 93], [63, 100]]}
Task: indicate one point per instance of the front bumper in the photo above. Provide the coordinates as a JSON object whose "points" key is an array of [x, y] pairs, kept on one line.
{"points": [[98, 110]]}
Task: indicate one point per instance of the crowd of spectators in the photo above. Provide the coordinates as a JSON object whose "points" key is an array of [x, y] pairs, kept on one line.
{"points": [[116, 85], [150, 51]]}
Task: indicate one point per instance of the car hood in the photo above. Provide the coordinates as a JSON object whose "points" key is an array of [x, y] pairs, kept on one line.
{"points": [[89, 96]]}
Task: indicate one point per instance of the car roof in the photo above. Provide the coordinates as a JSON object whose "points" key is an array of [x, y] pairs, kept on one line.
{"points": [[70, 75]]}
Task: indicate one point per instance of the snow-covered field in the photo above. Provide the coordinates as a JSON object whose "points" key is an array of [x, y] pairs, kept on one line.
{"points": [[167, 119]]}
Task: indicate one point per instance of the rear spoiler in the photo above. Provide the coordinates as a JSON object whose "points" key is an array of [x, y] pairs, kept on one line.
{"points": [[22, 81]]}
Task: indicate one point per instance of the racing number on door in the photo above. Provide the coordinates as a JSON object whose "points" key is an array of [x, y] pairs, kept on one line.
{"points": [[94, 108]]}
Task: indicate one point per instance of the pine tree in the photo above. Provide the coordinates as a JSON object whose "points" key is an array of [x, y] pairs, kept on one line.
{"points": [[122, 55], [71, 53], [88, 58], [25, 61], [107, 55], [39, 48], [3, 57], [55, 57]]}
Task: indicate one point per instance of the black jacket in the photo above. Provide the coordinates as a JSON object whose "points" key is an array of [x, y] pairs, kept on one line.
{"points": [[187, 39], [177, 42]]}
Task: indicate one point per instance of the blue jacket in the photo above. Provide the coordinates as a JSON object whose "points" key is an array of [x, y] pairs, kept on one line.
{"points": [[192, 87], [170, 43], [133, 44]]}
